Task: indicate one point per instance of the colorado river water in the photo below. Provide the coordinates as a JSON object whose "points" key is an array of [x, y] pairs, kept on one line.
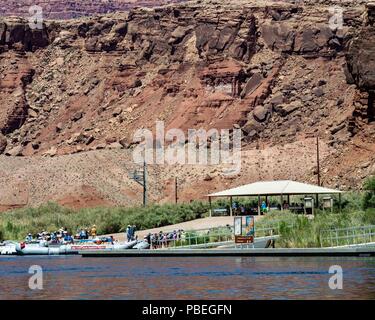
{"points": [[73, 277]]}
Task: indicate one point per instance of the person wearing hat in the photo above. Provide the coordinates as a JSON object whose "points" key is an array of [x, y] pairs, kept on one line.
{"points": [[128, 233], [133, 232], [86, 233], [82, 234], [29, 237], [59, 235], [93, 231], [67, 237]]}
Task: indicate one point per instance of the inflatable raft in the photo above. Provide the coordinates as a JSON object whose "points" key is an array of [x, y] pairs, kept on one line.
{"points": [[142, 245], [47, 249]]}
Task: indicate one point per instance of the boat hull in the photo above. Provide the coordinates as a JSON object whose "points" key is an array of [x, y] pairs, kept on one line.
{"points": [[142, 245], [36, 249]]}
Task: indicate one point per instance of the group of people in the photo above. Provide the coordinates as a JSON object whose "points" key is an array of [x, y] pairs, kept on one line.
{"points": [[155, 240], [86, 233], [294, 206], [240, 209], [163, 239], [62, 235]]}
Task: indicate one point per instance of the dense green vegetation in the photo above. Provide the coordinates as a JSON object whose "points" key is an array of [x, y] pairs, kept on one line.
{"points": [[50, 217], [295, 230], [369, 197], [299, 231]]}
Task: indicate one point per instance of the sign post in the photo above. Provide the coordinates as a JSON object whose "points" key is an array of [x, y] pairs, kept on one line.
{"points": [[237, 226], [328, 204], [249, 230], [309, 205]]}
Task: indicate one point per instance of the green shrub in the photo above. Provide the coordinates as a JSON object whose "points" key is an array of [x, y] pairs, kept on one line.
{"points": [[50, 217], [301, 232], [369, 197], [350, 201], [369, 216]]}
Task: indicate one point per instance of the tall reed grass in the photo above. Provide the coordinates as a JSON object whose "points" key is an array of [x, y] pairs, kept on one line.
{"points": [[300, 231]]}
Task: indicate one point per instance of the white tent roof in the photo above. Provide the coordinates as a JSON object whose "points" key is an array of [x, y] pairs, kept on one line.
{"points": [[274, 188]]}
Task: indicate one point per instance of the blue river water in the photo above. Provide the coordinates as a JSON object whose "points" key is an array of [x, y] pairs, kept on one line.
{"points": [[74, 277]]}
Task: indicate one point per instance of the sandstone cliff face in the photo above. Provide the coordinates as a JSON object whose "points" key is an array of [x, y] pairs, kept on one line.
{"points": [[360, 55], [361, 59], [68, 9], [275, 70], [361, 65]]}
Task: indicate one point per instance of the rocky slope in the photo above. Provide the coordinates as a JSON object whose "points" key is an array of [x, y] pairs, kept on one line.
{"points": [[68, 9], [76, 89]]}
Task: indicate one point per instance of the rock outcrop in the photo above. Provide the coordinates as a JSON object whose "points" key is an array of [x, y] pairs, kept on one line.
{"points": [[277, 70], [3, 143], [361, 53], [360, 70], [68, 9], [16, 34]]}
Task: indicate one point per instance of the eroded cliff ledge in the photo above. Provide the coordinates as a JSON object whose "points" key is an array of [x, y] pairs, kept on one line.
{"points": [[276, 70]]}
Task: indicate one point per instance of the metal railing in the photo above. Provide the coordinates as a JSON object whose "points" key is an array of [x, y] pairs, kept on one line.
{"points": [[353, 236], [197, 239], [272, 228], [205, 238]]}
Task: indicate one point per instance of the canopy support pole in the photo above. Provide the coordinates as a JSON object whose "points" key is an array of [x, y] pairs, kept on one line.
{"points": [[259, 213], [231, 206], [281, 202], [209, 200]]}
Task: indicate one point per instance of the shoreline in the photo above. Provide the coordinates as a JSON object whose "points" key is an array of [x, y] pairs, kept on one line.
{"points": [[290, 252]]}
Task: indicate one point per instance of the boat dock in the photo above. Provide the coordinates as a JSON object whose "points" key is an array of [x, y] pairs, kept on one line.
{"points": [[271, 252]]}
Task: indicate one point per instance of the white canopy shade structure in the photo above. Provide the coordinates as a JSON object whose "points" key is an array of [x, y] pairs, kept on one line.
{"points": [[264, 188], [272, 188]]}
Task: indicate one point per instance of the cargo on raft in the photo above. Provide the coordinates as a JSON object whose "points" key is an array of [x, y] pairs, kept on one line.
{"points": [[45, 248]]}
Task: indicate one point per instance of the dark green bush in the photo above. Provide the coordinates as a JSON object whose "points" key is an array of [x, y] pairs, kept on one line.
{"points": [[50, 217], [369, 197]]}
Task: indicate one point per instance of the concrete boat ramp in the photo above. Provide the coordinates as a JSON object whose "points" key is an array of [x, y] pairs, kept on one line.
{"points": [[236, 252]]}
